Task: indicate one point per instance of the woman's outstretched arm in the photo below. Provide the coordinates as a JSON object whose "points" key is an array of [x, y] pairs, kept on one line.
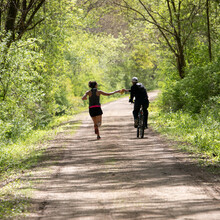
{"points": [[126, 90], [108, 94]]}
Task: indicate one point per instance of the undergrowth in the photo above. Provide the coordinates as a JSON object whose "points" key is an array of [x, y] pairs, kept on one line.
{"points": [[199, 131], [18, 159], [14, 202]]}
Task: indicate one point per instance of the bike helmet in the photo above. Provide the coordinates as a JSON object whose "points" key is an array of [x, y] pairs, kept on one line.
{"points": [[134, 79]]}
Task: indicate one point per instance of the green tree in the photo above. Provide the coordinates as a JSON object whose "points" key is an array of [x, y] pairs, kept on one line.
{"points": [[173, 20]]}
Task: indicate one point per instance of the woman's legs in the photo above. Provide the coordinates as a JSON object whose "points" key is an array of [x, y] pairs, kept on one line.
{"points": [[97, 120]]}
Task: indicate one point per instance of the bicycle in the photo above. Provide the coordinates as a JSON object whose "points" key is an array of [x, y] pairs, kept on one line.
{"points": [[141, 123]]}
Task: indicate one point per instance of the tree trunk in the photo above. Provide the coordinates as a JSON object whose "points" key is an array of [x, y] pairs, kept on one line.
{"points": [[1, 14], [11, 17], [0, 19], [181, 63], [208, 30]]}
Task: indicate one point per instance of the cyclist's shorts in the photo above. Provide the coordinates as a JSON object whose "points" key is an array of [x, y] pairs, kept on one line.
{"points": [[96, 111]]}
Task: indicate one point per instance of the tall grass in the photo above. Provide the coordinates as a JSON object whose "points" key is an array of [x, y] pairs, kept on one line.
{"points": [[19, 158], [24, 153], [199, 131]]}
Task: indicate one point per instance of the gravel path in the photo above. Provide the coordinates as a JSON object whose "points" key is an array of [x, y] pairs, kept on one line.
{"points": [[120, 177]]}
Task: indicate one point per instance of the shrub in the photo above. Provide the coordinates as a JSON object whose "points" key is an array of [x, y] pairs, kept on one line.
{"points": [[194, 91], [25, 90]]}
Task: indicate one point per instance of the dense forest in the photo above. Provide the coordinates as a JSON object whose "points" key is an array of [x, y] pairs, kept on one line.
{"points": [[49, 50]]}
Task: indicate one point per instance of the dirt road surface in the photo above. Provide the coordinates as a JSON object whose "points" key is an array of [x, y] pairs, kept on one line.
{"points": [[120, 177]]}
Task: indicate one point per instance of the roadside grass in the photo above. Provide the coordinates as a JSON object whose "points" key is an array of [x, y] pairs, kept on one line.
{"points": [[20, 156], [17, 159], [14, 200], [197, 133]]}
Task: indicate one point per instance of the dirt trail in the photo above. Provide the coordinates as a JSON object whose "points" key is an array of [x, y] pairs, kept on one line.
{"points": [[121, 177]]}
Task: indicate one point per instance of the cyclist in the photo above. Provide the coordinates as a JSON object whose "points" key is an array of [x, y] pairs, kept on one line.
{"points": [[95, 110], [141, 98]]}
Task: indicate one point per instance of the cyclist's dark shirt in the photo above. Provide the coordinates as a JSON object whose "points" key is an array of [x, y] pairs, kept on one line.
{"points": [[139, 92]]}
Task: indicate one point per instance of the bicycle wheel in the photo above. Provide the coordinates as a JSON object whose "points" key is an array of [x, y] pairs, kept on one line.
{"points": [[138, 132], [138, 127], [142, 127]]}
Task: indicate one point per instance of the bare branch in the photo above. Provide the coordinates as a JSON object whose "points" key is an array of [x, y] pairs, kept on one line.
{"points": [[161, 29], [144, 18], [174, 6], [30, 28], [34, 12], [192, 15], [170, 12], [187, 37], [30, 4], [132, 9], [24, 5]]}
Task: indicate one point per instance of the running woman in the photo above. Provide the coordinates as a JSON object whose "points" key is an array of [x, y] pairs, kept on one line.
{"points": [[95, 110]]}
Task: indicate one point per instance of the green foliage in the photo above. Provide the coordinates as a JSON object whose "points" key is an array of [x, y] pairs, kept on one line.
{"points": [[201, 131], [16, 160], [48, 75], [138, 58], [194, 91], [189, 108], [25, 99], [47, 72]]}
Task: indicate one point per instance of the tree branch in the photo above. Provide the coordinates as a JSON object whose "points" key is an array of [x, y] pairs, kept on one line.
{"points": [[28, 29], [34, 12], [31, 4], [192, 15], [154, 22], [24, 5], [159, 28], [127, 6], [171, 16]]}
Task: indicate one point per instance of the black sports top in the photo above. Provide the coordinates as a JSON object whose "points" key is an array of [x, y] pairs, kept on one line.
{"points": [[94, 100]]}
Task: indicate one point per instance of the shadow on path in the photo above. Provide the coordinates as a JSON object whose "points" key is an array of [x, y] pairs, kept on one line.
{"points": [[119, 177]]}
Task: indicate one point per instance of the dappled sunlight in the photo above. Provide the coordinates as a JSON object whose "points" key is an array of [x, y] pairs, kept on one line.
{"points": [[119, 177]]}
